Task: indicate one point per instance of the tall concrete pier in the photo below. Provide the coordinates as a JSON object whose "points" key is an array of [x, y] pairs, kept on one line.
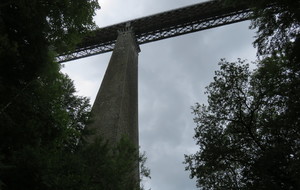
{"points": [[115, 111]]}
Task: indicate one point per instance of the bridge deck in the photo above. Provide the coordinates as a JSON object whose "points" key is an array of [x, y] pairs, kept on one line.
{"points": [[160, 26]]}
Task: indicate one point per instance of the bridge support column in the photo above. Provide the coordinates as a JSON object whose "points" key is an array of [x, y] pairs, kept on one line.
{"points": [[115, 111]]}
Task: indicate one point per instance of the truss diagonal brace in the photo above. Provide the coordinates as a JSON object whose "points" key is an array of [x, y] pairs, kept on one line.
{"points": [[160, 26]]}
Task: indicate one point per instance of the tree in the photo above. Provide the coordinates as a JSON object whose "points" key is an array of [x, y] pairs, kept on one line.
{"points": [[31, 30], [42, 120], [39, 112], [277, 23], [96, 165], [248, 134], [31, 34], [49, 124], [113, 166]]}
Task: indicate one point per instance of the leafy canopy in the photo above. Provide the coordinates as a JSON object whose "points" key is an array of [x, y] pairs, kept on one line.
{"points": [[248, 134], [42, 120], [277, 23]]}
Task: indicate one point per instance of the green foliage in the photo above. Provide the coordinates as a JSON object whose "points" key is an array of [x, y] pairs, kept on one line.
{"points": [[277, 23], [46, 118], [29, 32], [113, 167], [42, 120], [249, 133], [92, 166], [45, 110]]}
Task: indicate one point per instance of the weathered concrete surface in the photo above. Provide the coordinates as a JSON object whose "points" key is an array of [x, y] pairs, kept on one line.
{"points": [[115, 111]]}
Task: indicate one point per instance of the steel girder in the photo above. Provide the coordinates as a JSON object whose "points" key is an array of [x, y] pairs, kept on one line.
{"points": [[160, 26]]}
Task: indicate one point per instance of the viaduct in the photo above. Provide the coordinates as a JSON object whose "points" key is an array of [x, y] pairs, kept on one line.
{"points": [[115, 109]]}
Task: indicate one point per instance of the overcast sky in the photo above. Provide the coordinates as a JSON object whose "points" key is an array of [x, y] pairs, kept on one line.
{"points": [[173, 74]]}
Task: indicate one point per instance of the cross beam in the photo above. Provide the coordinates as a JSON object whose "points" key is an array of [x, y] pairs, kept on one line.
{"points": [[161, 26]]}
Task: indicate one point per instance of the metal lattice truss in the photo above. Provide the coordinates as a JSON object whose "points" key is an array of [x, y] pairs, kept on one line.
{"points": [[160, 26]]}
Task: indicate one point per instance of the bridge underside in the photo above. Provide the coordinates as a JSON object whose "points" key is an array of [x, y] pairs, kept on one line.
{"points": [[115, 110], [168, 24]]}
